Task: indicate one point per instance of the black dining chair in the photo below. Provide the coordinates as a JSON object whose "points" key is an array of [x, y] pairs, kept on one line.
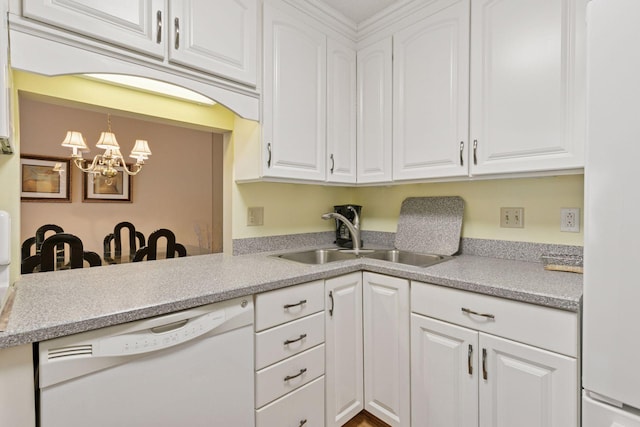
{"points": [[48, 259], [33, 245], [136, 240], [150, 252]]}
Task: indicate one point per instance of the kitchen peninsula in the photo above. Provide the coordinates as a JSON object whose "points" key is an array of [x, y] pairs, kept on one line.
{"points": [[50, 305]]}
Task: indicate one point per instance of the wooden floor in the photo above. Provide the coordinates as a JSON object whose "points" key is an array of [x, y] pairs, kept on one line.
{"points": [[365, 419]]}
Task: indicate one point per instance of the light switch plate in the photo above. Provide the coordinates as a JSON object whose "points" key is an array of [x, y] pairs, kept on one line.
{"points": [[512, 217], [255, 216]]}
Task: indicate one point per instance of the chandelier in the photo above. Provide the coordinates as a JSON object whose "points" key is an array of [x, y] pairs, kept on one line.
{"points": [[105, 164]]}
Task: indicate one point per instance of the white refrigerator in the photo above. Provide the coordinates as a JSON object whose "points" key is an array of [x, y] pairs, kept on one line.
{"points": [[611, 303]]}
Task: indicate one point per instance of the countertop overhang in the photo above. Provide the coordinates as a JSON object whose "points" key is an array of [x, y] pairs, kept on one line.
{"points": [[50, 305]]}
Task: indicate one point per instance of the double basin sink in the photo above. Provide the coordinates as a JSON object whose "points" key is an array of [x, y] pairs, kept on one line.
{"points": [[323, 256]]}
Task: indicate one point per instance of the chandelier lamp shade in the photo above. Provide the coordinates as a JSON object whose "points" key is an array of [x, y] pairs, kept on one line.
{"points": [[105, 164]]}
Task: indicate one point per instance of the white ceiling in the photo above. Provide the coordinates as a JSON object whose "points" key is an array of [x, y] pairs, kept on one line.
{"points": [[359, 10]]}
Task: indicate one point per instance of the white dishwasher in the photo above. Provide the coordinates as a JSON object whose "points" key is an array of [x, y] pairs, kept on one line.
{"points": [[191, 368]]}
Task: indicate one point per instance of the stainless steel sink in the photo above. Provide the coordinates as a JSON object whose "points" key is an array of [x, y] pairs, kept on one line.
{"points": [[411, 258], [323, 256], [318, 256]]}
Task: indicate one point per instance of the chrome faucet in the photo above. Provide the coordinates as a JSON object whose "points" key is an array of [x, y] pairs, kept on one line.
{"points": [[354, 228]]}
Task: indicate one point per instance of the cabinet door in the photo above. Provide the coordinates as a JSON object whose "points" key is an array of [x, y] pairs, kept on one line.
{"points": [[444, 374], [374, 112], [431, 95], [525, 386], [294, 96], [341, 112], [217, 37], [527, 85], [133, 24], [343, 347], [386, 348]]}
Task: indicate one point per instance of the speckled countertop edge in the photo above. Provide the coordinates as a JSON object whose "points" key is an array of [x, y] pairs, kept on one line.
{"points": [[49, 305]]}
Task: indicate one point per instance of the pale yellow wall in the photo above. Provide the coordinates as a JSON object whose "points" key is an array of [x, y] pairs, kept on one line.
{"points": [[288, 208], [297, 208], [541, 198]]}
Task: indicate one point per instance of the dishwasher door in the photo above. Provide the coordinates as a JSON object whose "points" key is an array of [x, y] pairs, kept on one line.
{"points": [[191, 368]]}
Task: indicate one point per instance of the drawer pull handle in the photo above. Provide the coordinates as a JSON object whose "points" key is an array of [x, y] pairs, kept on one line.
{"points": [[286, 306], [461, 152], [332, 303], [290, 377], [302, 422], [484, 363], [469, 311], [333, 164], [300, 338], [470, 360]]}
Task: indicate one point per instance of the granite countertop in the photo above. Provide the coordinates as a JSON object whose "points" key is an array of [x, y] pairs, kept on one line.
{"points": [[49, 305]]}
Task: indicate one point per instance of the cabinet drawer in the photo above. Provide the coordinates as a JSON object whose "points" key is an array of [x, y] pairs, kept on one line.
{"points": [[306, 403], [283, 305], [549, 328], [286, 340], [272, 382]]}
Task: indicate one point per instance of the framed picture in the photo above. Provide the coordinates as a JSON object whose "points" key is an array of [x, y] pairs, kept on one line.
{"points": [[98, 188], [45, 179]]}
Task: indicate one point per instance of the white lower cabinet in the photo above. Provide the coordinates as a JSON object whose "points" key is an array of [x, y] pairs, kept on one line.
{"points": [[290, 356], [367, 348], [386, 348], [464, 376], [343, 347]]}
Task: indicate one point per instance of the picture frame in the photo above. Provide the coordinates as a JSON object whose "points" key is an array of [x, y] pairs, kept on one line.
{"points": [[97, 188], [39, 182]]}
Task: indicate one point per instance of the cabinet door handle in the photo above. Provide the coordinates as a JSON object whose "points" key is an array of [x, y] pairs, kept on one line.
{"points": [[269, 155], [332, 303], [461, 152], [159, 26], [286, 306], [469, 311], [470, 360], [177, 25], [333, 163], [484, 363], [290, 377], [475, 151], [302, 422], [300, 338]]}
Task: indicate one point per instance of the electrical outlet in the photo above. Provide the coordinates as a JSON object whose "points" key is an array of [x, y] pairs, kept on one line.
{"points": [[255, 216], [512, 217], [570, 220]]}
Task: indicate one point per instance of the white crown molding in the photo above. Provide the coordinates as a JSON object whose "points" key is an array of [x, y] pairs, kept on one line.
{"points": [[389, 16], [327, 16]]}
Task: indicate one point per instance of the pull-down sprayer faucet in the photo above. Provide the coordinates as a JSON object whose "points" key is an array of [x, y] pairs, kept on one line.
{"points": [[354, 228]]}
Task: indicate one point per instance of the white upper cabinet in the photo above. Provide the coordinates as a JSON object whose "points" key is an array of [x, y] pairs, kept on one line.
{"points": [[527, 85], [218, 38], [215, 36], [375, 112], [341, 112], [134, 24], [431, 95], [294, 96]]}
